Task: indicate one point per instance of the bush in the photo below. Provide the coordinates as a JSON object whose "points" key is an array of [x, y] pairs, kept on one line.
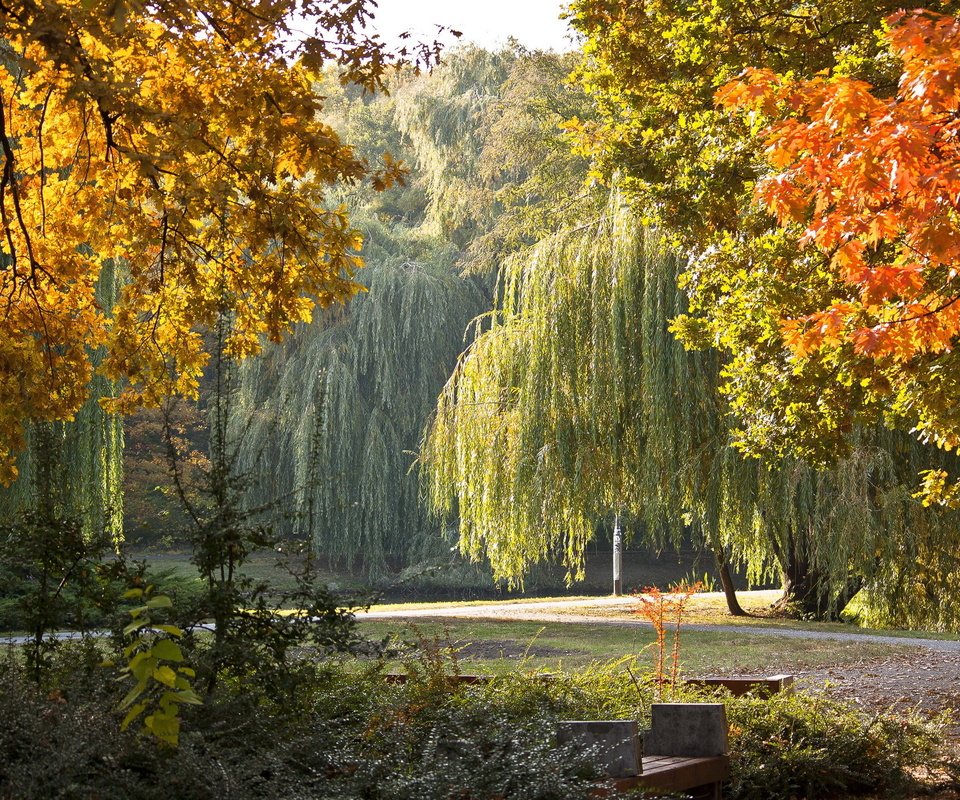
{"points": [[344, 734], [343, 731], [798, 746]]}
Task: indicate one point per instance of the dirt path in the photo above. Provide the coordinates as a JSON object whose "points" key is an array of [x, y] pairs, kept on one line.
{"points": [[926, 680]]}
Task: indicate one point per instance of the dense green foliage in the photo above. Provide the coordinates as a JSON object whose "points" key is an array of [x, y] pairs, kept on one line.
{"points": [[336, 413], [577, 404], [348, 733]]}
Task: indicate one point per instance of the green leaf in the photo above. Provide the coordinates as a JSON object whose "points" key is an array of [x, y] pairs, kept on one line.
{"points": [[173, 630], [134, 712], [133, 594], [167, 650], [189, 697], [160, 601], [136, 625], [132, 695], [143, 669], [164, 726], [165, 675]]}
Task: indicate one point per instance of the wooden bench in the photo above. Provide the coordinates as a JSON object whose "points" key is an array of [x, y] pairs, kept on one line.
{"points": [[685, 750], [451, 680], [700, 778], [772, 684]]}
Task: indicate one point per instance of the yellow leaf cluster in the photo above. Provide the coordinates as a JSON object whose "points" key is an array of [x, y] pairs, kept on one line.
{"points": [[181, 143]]}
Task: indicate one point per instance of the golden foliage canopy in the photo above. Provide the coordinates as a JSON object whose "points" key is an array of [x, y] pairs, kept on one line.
{"points": [[180, 141]]}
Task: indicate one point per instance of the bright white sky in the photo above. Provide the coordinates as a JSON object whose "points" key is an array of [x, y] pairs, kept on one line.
{"points": [[534, 23]]}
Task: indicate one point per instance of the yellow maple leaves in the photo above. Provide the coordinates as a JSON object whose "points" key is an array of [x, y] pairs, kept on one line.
{"points": [[180, 143]]}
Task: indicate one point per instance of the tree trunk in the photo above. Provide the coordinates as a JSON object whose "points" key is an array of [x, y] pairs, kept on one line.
{"points": [[803, 592], [726, 580], [806, 591]]}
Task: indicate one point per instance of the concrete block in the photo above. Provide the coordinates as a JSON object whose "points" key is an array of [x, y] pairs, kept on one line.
{"points": [[695, 730], [616, 741], [785, 682]]}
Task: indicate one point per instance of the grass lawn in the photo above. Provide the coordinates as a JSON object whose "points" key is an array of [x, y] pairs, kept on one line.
{"points": [[498, 646], [262, 566], [708, 608]]}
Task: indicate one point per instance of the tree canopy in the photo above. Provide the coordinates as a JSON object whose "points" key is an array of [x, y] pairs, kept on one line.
{"points": [[577, 404], [690, 167], [870, 180], [180, 142], [339, 409]]}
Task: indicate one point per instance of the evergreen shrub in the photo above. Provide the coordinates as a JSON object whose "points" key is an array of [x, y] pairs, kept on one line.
{"points": [[344, 731]]}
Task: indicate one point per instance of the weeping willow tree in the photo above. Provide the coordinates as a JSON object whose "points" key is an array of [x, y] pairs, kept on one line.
{"points": [[577, 403], [444, 119], [75, 469], [329, 421]]}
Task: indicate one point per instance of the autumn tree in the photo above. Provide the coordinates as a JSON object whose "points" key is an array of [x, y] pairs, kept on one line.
{"points": [[182, 143], [868, 181], [528, 457], [690, 167]]}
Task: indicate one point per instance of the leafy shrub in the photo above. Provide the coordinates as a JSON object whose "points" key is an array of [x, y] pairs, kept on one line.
{"points": [[351, 736], [798, 746], [344, 731], [54, 576]]}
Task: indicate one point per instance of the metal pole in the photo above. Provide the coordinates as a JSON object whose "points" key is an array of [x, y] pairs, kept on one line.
{"points": [[617, 557]]}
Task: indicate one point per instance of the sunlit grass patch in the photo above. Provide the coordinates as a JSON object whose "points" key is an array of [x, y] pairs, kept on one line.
{"points": [[497, 646]]}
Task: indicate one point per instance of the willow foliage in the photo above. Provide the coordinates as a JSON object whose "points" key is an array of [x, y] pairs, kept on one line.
{"points": [[577, 403], [545, 428], [444, 118], [75, 469], [329, 421]]}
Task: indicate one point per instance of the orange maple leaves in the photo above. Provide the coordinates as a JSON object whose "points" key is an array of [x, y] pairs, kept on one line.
{"points": [[875, 181]]}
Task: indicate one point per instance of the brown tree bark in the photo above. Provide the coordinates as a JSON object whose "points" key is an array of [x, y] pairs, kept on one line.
{"points": [[806, 592], [726, 581]]}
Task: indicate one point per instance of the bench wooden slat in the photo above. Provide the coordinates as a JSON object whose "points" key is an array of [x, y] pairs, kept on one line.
{"points": [[673, 774], [772, 684]]}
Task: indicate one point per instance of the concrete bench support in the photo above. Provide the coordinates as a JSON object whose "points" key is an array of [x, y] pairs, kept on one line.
{"points": [[694, 730], [617, 743]]}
